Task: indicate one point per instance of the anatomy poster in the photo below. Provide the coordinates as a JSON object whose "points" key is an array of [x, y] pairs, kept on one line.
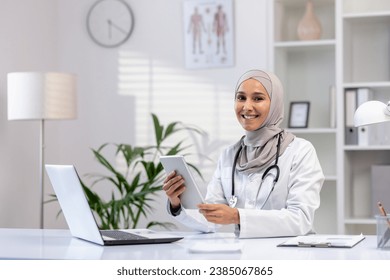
{"points": [[208, 33]]}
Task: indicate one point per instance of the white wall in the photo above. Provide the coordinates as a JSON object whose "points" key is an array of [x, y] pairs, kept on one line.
{"points": [[29, 43], [54, 37]]}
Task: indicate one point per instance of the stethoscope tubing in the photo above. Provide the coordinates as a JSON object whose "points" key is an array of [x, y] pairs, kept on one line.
{"points": [[265, 174]]}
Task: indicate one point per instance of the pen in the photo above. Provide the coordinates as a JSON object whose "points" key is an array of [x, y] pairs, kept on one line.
{"points": [[383, 212]]}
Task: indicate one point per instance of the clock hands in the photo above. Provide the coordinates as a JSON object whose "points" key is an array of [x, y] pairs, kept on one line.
{"points": [[113, 25], [110, 22]]}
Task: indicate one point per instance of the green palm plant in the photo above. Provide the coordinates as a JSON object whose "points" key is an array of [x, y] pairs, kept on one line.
{"points": [[132, 189]]}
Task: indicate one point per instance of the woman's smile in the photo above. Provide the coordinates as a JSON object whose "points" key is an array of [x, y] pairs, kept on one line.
{"points": [[250, 117]]}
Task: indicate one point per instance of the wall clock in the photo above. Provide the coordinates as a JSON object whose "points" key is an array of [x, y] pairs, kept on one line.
{"points": [[110, 22]]}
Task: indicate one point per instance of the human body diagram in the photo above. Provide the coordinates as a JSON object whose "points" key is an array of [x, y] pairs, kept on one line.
{"points": [[208, 35]]}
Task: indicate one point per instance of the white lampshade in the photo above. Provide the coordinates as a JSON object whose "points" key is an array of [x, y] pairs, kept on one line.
{"points": [[35, 95], [372, 112]]}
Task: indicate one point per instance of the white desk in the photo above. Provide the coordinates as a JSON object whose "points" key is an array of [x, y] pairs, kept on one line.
{"points": [[58, 244]]}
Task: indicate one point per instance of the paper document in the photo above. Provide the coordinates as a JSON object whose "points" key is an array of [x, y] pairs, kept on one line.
{"points": [[323, 241], [201, 247]]}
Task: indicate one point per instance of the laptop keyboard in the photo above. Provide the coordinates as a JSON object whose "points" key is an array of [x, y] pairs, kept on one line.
{"points": [[121, 235]]}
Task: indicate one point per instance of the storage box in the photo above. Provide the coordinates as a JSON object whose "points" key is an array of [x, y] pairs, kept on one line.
{"points": [[380, 187]]}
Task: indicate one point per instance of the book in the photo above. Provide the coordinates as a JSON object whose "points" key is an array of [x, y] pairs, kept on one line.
{"points": [[323, 241]]}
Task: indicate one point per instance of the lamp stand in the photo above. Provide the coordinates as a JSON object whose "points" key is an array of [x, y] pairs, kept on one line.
{"points": [[41, 169]]}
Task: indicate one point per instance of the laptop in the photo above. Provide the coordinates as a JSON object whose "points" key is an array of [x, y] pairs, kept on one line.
{"points": [[80, 219]]}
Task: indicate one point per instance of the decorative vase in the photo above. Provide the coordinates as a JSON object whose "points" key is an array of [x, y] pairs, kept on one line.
{"points": [[309, 27]]}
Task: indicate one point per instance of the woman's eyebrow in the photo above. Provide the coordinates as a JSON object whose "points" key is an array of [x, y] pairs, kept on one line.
{"points": [[260, 93], [254, 92], [240, 92]]}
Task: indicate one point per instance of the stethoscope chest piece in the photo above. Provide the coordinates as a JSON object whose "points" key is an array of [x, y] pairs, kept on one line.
{"points": [[233, 201]]}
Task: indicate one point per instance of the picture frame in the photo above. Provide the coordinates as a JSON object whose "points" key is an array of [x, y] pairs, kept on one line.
{"points": [[299, 114]]}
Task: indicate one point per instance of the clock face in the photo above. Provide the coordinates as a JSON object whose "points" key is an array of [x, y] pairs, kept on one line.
{"points": [[110, 22]]}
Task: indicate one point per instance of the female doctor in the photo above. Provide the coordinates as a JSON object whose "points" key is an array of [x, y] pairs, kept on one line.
{"points": [[268, 183]]}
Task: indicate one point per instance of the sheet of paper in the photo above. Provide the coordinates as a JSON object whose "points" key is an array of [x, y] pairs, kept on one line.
{"points": [[202, 247]]}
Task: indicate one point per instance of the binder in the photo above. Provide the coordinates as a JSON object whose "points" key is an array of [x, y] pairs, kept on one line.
{"points": [[363, 132], [351, 135], [351, 132], [323, 241], [332, 106]]}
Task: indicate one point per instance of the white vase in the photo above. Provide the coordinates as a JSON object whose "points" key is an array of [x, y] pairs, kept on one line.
{"points": [[309, 27]]}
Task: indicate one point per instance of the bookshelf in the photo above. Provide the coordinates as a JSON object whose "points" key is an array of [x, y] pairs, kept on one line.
{"points": [[364, 49], [353, 52], [297, 65]]}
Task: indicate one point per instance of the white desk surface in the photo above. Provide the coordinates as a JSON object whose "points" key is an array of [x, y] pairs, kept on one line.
{"points": [[59, 244]]}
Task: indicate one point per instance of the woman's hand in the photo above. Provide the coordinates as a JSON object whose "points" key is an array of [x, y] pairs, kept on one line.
{"points": [[174, 186], [220, 214]]}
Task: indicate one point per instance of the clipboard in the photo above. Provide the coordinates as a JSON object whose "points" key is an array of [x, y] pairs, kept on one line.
{"points": [[323, 241]]}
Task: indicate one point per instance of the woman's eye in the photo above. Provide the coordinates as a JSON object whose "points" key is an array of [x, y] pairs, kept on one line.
{"points": [[240, 97]]}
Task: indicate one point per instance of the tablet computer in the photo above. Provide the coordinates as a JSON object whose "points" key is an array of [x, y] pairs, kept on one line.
{"points": [[192, 195]]}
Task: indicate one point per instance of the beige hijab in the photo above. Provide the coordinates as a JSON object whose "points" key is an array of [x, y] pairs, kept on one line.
{"points": [[259, 146]]}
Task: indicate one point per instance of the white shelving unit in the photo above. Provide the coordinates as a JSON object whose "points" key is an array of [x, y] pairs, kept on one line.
{"points": [[308, 71], [365, 62], [353, 52]]}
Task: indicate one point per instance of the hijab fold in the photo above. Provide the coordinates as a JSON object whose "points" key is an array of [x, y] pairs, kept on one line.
{"points": [[259, 146]]}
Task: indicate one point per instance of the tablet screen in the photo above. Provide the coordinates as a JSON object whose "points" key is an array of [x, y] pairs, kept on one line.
{"points": [[192, 195]]}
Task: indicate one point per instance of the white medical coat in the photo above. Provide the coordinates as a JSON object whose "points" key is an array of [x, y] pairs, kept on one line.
{"points": [[289, 211]]}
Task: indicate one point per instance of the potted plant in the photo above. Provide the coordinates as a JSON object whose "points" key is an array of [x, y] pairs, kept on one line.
{"points": [[133, 188]]}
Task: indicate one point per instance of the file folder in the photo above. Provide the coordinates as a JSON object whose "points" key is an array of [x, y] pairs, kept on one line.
{"points": [[323, 241], [351, 132], [364, 132]]}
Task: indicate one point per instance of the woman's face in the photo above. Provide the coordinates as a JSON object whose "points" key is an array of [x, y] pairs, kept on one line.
{"points": [[252, 104]]}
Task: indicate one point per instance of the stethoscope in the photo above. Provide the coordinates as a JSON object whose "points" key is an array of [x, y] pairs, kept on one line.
{"points": [[233, 198]]}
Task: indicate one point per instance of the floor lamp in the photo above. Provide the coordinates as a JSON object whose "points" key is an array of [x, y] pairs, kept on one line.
{"points": [[41, 96]]}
